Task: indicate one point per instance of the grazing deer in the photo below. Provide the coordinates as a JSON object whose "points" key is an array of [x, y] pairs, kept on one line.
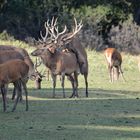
{"points": [[8, 52], [16, 72], [24, 53], [10, 55], [114, 60]]}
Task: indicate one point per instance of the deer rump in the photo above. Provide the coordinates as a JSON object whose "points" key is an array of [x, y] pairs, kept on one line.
{"points": [[81, 55]]}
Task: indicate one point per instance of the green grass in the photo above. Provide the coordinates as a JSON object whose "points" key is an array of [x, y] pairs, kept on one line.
{"points": [[112, 111]]}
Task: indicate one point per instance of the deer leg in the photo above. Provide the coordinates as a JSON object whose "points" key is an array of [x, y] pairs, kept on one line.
{"points": [[14, 93], [62, 84], [116, 73], [112, 74], [72, 83], [18, 86], [109, 69], [54, 84], [76, 84], [121, 72], [26, 94], [86, 83], [3, 91]]}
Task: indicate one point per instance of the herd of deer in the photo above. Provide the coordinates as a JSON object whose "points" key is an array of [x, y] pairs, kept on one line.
{"points": [[61, 52]]}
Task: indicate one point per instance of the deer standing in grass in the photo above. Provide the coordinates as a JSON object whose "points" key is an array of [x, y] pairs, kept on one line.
{"points": [[114, 60], [25, 55], [8, 52], [59, 62], [16, 72], [69, 42]]}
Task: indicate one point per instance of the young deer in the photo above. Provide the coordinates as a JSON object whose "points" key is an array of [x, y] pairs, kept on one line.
{"points": [[114, 60], [16, 72]]}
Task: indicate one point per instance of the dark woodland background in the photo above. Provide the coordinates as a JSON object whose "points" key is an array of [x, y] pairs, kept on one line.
{"points": [[106, 22]]}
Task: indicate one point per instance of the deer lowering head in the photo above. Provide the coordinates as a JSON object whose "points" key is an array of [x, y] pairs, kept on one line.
{"points": [[14, 71], [114, 60]]}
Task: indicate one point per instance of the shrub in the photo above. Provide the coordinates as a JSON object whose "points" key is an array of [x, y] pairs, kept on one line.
{"points": [[126, 37]]}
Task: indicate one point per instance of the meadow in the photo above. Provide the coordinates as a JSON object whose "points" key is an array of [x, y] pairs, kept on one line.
{"points": [[111, 112]]}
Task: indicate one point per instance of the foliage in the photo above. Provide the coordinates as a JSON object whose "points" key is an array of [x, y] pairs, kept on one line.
{"points": [[23, 19], [126, 37]]}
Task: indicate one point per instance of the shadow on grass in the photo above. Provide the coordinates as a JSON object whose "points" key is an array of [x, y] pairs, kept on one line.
{"points": [[105, 115], [94, 93]]}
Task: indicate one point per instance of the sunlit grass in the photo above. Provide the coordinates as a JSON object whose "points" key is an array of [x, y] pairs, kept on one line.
{"points": [[111, 112]]}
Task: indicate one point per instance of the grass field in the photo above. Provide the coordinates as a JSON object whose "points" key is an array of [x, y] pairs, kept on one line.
{"points": [[112, 111]]}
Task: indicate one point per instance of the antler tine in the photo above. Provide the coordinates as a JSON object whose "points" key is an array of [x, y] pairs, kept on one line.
{"points": [[55, 22], [79, 26], [46, 33], [47, 23], [37, 64], [40, 41], [51, 27], [76, 29], [52, 22]]}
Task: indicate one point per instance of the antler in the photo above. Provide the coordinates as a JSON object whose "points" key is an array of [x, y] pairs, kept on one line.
{"points": [[37, 64], [75, 30], [53, 29], [44, 38]]}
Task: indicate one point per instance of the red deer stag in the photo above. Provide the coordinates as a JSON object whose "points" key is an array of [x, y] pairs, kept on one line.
{"points": [[114, 60], [14, 71], [59, 62], [70, 42]]}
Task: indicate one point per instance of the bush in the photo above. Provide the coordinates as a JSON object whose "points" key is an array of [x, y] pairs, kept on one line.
{"points": [[126, 37]]}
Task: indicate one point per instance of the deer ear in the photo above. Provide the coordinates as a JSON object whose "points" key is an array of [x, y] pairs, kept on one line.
{"points": [[52, 49]]}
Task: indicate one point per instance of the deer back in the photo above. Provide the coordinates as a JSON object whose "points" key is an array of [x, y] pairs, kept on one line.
{"points": [[113, 57], [24, 53], [66, 63], [13, 70], [9, 55]]}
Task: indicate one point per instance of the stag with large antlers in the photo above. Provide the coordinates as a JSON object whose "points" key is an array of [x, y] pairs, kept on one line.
{"points": [[68, 41], [59, 62]]}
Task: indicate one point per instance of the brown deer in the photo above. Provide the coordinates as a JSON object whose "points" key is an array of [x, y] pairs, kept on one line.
{"points": [[24, 53], [10, 55], [14, 71], [8, 52], [69, 42], [59, 63], [114, 60]]}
